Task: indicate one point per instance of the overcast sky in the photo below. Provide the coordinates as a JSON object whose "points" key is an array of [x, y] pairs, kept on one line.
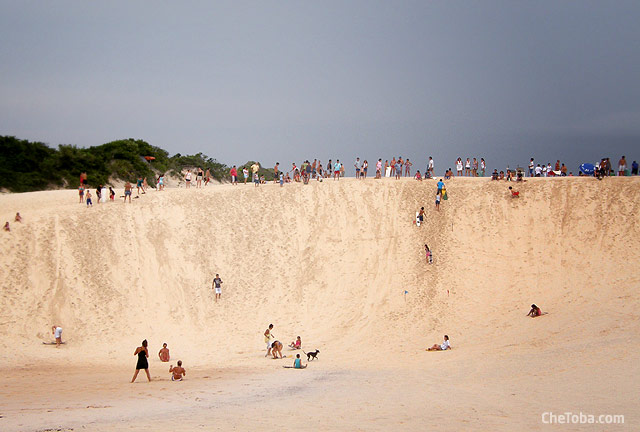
{"points": [[284, 81]]}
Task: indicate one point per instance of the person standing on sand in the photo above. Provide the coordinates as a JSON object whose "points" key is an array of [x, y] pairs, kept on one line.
{"points": [[407, 168], [357, 166], [336, 170], [81, 192], [127, 191], [199, 176], [207, 177], [164, 353], [459, 166], [483, 167], [89, 202], [56, 330], [438, 195], [430, 167], [143, 354], [622, 166], [187, 179], [233, 172], [379, 169], [99, 193], [216, 285], [255, 168], [245, 172], [276, 169], [112, 194], [267, 339], [178, 372], [398, 169], [531, 167]]}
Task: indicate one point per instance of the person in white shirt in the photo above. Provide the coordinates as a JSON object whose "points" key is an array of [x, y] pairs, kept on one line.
{"points": [[442, 347], [538, 171], [57, 333], [430, 167]]}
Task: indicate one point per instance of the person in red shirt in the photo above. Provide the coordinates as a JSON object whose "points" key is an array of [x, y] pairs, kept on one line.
{"points": [[234, 175], [535, 311]]}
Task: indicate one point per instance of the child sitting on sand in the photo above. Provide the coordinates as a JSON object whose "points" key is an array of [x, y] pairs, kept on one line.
{"points": [[418, 176], [535, 311], [297, 363], [442, 347], [297, 344]]}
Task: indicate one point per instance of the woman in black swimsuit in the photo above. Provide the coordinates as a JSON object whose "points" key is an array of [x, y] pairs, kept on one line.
{"points": [[143, 353]]}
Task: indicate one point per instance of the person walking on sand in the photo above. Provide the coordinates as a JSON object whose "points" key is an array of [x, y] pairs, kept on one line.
{"points": [[429, 255], [139, 185], [199, 176], [164, 353], [207, 177], [143, 354], [267, 339], [56, 330], [438, 196], [216, 285], [178, 372]]}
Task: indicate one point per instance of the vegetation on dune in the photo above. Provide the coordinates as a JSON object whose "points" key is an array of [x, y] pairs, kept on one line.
{"points": [[29, 166]]}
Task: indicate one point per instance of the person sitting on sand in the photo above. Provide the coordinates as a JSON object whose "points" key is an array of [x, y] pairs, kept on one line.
{"points": [[276, 348], [18, 217], [442, 347], [418, 176], [297, 344], [535, 311], [297, 363], [164, 353], [494, 176], [57, 333], [177, 372], [6, 227], [514, 193]]}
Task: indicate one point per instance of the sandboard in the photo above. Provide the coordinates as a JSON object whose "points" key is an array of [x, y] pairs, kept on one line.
{"points": [[52, 343], [291, 367], [387, 172], [418, 218]]}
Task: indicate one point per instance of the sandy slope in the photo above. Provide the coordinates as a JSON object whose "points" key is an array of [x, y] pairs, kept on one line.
{"points": [[329, 262]]}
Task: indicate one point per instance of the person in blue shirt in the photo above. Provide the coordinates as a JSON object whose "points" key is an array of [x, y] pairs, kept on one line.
{"points": [[297, 363], [634, 168], [440, 185]]}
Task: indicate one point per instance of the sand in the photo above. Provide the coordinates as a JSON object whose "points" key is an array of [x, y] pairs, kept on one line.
{"points": [[329, 262]]}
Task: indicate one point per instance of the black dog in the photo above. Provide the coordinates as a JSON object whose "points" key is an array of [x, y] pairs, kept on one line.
{"points": [[311, 355]]}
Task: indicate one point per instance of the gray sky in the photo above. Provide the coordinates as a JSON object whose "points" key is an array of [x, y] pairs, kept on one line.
{"points": [[267, 81]]}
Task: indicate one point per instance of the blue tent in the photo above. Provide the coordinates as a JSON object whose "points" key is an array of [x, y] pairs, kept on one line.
{"points": [[587, 168]]}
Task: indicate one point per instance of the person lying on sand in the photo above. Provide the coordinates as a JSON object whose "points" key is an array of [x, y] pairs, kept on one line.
{"points": [[177, 372], [164, 353], [442, 347], [297, 344], [514, 193], [535, 311], [276, 348]]}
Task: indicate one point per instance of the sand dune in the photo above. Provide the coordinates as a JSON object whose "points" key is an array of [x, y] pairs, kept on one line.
{"points": [[329, 262]]}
